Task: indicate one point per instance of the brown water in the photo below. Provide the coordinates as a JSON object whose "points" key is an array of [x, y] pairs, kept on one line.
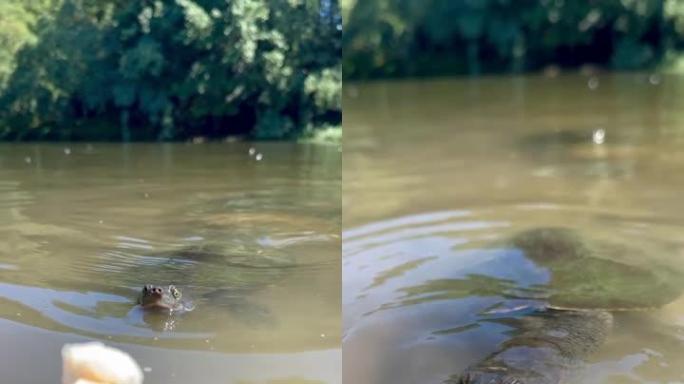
{"points": [[437, 171], [84, 227]]}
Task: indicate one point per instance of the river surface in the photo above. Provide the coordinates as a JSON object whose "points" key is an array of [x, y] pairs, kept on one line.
{"points": [[436, 173], [249, 232]]}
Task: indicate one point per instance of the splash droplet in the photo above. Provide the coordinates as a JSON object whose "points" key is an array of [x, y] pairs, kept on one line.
{"points": [[654, 79], [599, 136], [593, 83]]}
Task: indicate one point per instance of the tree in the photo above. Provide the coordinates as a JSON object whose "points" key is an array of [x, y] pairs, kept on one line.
{"points": [[178, 68]]}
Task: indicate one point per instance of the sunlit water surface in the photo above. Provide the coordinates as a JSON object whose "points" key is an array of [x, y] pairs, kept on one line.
{"points": [[438, 172], [84, 227]]}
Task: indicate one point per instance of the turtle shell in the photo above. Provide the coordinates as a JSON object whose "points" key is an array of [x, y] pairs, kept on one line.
{"points": [[588, 273]]}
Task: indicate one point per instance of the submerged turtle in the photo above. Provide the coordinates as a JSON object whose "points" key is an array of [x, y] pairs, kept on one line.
{"points": [[573, 311]]}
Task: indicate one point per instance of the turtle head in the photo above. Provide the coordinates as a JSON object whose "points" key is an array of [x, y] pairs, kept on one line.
{"points": [[153, 296]]}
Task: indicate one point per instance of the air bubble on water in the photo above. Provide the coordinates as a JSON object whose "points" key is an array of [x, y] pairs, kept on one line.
{"points": [[323, 335], [27, 159], [593, 83], [67, 151], [599, 136], [206, 340], [147, 369], [147, 195], [259, 156], [101, 221], [155, 338], [252, 151], [19, 314]]}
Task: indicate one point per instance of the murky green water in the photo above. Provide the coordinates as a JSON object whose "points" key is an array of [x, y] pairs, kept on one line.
{"points": [[437, 171], [84, 227]]}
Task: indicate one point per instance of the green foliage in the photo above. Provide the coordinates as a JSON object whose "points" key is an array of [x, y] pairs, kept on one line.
{"points": [[17, 17], [173, 69], [413, 38]]}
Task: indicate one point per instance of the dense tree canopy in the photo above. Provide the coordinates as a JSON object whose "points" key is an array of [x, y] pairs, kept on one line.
{"points": [[170, 69], [405, 37]]}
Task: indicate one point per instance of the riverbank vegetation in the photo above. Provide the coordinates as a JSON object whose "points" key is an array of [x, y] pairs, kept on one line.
{"points": [[168, 69], [399, 38]]}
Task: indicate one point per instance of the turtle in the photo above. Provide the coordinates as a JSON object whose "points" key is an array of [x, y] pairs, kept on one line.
{"points": [[214, 275], [569, 317]]}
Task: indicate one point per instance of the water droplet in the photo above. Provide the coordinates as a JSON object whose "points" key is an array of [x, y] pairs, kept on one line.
{"points": [[206, 340], [352, 91], [147, 369], [259, 156], [67, 151], [553, 16], [593, 83], [101, 221], [252, 151], [155, 338], [19, 314], [599, 136], [147, 195], [323, 335], [654, 79], [27, 159]]}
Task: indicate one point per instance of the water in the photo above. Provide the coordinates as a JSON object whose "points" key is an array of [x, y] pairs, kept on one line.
{"points": [[437, 173], [84, 227]]}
